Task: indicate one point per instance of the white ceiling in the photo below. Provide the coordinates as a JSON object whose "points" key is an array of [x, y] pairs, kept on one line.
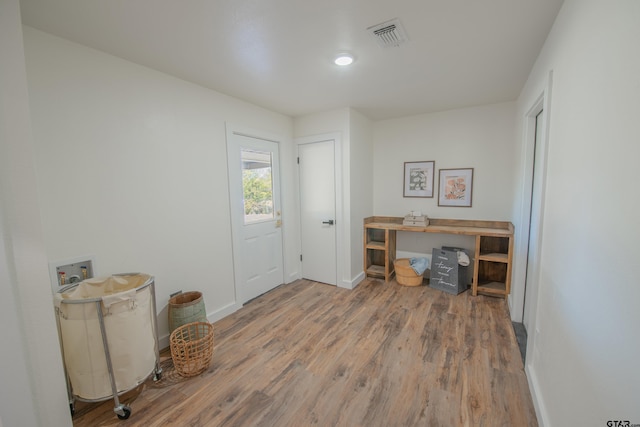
{"points": [[278, 53]]}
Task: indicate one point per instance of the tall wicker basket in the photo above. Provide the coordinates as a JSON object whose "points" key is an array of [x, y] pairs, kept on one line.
{"points": [[192, 348], [186, 308]]}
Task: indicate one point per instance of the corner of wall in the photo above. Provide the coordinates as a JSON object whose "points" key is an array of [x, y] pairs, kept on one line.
{"points": [[353, 283]]}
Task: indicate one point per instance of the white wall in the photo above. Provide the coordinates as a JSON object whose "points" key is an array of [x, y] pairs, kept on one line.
{"points": [[132, 169], [322, 123], [327, 122], [360, 187], [32, 386], [357, 187], [478, 137], [582, 354]]}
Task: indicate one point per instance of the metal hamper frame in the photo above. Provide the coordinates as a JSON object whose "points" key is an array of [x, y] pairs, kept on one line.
{"points": [[122, 411]]}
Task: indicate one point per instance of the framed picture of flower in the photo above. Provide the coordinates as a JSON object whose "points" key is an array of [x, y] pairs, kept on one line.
{"points": [[455, 187], [418, 179]]}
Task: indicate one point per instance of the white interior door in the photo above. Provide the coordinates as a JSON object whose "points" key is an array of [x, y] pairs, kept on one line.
{"points": [[254, 187], [318, 210]]}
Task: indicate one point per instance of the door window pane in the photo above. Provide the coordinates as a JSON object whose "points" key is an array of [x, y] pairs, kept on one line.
{"points": [[257, 185]]}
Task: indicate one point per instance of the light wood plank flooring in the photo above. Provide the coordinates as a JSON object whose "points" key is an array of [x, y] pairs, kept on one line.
{"points": [[308, 354]]}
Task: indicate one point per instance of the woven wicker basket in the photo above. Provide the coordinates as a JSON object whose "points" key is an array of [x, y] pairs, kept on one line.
{"points": [[186, 308], [405, 275], [192, 348]]}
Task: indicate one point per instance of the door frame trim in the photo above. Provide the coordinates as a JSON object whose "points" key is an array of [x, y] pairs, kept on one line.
{"points": [[336, 137], [541, 102], [231, 130]]}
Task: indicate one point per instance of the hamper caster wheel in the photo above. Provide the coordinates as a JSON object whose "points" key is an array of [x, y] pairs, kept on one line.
{"points": [[126, 413], [72, 409]]}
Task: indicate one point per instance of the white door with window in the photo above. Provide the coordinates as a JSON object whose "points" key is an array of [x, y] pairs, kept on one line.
{"points": [[318, 210], [254, 187]]}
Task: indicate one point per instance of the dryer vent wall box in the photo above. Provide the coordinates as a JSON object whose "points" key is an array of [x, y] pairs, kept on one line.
{"points": [[70, 271]]}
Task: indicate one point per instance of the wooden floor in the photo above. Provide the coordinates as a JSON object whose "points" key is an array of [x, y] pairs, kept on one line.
{"points": [[309, 354]]}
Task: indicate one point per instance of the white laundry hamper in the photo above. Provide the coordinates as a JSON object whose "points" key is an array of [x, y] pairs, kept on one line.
{"points": [[108, 335]]}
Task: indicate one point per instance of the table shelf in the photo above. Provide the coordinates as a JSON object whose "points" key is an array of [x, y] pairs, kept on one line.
{"points": [[493, 256]]}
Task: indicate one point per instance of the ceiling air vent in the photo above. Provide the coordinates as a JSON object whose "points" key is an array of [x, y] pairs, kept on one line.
{"points": [[389, 33]]}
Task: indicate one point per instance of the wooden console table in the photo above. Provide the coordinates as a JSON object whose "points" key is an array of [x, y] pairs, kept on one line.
{"points": [[492, 259]]}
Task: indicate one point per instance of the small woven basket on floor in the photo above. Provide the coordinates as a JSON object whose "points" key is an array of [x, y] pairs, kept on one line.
{"points": [[405, 275], [192, 348]]}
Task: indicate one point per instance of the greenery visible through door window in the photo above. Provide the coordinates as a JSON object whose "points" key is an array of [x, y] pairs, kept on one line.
{"points": [[257, 185]]}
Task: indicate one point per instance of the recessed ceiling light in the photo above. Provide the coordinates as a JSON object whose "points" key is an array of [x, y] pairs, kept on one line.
{"points": [[343, 59]]}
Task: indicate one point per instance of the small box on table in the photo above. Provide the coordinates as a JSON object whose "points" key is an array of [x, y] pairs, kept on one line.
{"points": [[415, 221]]}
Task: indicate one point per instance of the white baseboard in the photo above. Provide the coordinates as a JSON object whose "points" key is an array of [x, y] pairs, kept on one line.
{"points": [[293, 277], [163, 342], [223, 312], [536, 396], [351, 284]]}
